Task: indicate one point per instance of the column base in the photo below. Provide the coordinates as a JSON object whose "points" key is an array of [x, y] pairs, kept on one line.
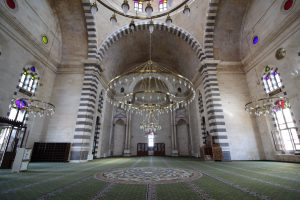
{"points": [[174, 153], [126, 152], [90, 157], [78, 161]]}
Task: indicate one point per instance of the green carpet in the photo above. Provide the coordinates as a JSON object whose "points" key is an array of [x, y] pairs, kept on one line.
{"points": [[220, 180]]}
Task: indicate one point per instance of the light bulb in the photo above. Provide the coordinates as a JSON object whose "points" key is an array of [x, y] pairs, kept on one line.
{"points": [[151, 26], [149, 10], [94, 8], [132, 25], [169, 20], [113, 19], [125, 7], [186, 10]]}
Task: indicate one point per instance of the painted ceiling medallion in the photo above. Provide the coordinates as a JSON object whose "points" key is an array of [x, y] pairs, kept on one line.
{"points": [[255, 40], [280, 53], [45, 39], [11, 4], [288, 4]]}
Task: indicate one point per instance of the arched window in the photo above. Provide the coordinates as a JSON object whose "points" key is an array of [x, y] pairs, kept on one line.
{"points": [[285, 137], [271, 80], [163, 5], [29, 81], [138, 5], [151, 140]]}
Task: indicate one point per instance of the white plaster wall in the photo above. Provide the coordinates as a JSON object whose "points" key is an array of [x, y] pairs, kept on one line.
{"points": [[36, 19], [106, 127], [195, 126], [265, 19], [66, 98], [242, 131]]}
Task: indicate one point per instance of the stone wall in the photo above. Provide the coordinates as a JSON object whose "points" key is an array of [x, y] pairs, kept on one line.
{"points": [[245, 142]]}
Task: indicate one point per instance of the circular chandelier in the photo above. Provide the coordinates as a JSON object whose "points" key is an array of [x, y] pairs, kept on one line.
{"points": [[150, 88], [267, 105], [150, 124], [33, 106], [148, 10]]}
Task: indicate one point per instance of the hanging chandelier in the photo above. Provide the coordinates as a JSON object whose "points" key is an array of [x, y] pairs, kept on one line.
{"points": [[150, 123], [150, 88], [33, 106], [266, 106], [148, 15]]}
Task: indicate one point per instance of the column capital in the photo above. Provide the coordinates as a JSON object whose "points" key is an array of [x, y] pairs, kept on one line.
{"points": [[92, 62]]}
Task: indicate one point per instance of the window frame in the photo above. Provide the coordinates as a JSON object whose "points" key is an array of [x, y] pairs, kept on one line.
{"points": [[150, 140], [29, 81], [271, 81], [163, 5], [138, 5]]}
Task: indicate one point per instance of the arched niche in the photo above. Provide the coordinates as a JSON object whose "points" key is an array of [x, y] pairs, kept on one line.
{"points": [[119, 132], [183, 138]]}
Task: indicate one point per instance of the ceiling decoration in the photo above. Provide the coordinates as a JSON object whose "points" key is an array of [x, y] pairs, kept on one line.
{"points": [[174, 30], [139, 16]]}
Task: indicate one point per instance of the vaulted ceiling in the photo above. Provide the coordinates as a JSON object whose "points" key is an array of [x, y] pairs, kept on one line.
{"points": [[167, 48]]}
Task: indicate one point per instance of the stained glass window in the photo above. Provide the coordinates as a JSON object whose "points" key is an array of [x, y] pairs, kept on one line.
{"points": [[29, 80], [11, 4], [288, 4], [163, 5], [138, 5], [271, 80]]}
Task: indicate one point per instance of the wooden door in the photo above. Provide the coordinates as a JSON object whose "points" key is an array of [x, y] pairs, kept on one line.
{"points": [[142, 149], [159, 149]]}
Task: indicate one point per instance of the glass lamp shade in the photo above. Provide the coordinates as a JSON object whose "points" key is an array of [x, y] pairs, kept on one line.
{"points": [[132, 25], [151, 26], [125, 7], [113, 19], [149, 10], [186, 10], [169, 20], [94, 8]]}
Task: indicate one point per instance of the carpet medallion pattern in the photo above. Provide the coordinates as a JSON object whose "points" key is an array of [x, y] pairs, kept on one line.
{"points": [[148, 175]]}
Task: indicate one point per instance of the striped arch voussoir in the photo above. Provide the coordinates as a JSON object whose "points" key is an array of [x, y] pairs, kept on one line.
{"points": [[210, 28], [177, 31], [91, 29]]}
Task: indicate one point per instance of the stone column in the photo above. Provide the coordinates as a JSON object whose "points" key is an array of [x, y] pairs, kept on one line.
{"points": [[215, 116], [174, 150], [86, 113], [128, 140], [111, 140]]}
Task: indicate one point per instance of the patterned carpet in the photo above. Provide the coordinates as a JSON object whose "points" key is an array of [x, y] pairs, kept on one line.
{"points": [[216, 180]]}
